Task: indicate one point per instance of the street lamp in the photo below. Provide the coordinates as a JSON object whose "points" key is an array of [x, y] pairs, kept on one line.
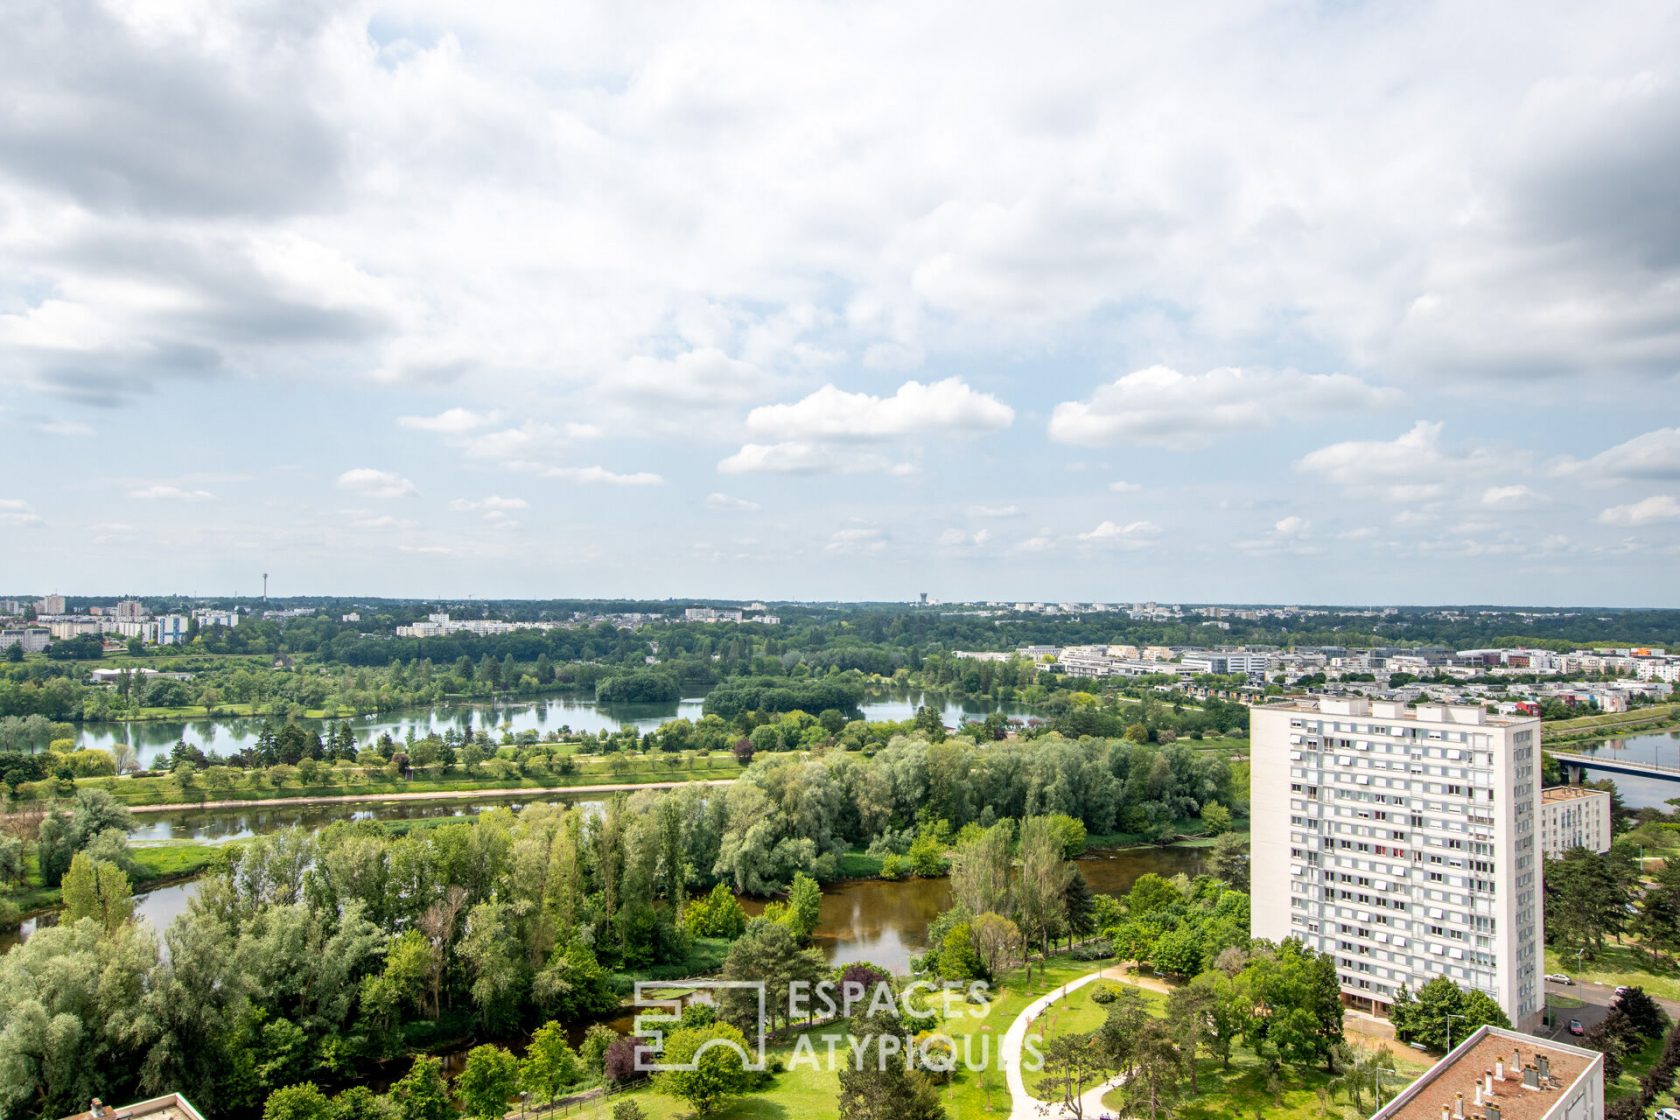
{"points": [[1450, 1018]]}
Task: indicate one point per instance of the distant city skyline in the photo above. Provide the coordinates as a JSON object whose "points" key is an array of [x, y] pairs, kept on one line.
{"points": [[1240, 303]]}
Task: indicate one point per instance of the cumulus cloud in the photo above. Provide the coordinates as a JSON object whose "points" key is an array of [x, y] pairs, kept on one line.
{"points": [[493, 503], [373, 483], [1660, 507], [831, 413], [587, 475], [801, 457], [164, 493], [1003, 510], [68, 428], [1413, 467], [962, 538], [1132, 534], [1516, 496], [1654, 455], [1291, 526], [706, 376], [451, 421], [720, 500], [16, 511], [1120, 486], [1166, 408], [860, 539]]}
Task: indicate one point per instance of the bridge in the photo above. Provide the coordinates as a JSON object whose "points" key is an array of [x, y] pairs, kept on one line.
{"points": [[1577, 762]]}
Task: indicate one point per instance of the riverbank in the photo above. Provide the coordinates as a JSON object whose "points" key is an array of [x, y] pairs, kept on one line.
{"points": [[465, 793], [1611, 725]]}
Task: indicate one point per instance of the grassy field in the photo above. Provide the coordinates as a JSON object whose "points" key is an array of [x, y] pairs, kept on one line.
{"points": [[1617, 965], [157, 864]]}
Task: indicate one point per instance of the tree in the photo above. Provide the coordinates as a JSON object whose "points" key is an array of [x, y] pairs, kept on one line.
{"points": [[361, 1103], [1072, 1064], [1191, 1011], [1216, 819], [1041, 888], [1231, 860], [1587, 898], [622, 1061], [767, 954], [1297, 1002], [996, 939], [628, 1110], [549, 1064], [490, 1077], [1658, 920], [718, 1055], [98, 890], [804, 906], [958, 959], [1157, 1068], [980, 870], [422, 1094], [298, 1102], [875, 1080]]}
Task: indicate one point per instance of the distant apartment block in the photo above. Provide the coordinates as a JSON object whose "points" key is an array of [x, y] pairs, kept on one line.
{"points": [[169, 630], [1403, 842], [1574, 817], [49, 604], [207, 617], [753, 612], [33, 639], [1498, 1074]]}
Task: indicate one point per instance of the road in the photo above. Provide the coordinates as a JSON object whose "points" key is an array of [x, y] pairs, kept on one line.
{"points": [[429, 795], [1598, 998]]}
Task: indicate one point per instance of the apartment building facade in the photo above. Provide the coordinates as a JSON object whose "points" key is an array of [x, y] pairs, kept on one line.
{"points": [[1403, 842], [1574, 817]]}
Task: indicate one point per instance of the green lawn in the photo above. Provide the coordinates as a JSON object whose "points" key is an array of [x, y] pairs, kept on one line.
{"points": [[1617, 965]]}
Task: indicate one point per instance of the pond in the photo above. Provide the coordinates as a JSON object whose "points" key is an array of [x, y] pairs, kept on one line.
{"points": [[153, 739], [872, 920]]}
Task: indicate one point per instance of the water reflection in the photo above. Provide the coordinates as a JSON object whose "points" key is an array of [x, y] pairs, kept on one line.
{"points": [[1639, 791], [152, 740]]}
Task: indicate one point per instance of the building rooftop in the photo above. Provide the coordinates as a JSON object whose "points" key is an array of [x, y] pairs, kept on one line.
{"points": [[171, 1106], [1570, 793], [1456, 714], [1537, 1075]]}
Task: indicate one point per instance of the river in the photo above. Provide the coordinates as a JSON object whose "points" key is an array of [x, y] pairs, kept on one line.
{"points": [[152, 739], [1656, 749]]}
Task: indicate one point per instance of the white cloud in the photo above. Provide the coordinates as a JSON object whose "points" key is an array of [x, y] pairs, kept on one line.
{"points": [[68, 428], [587, 475], [372, 483], [831, 413], [699, 377], [962, 538], [1120, 486], [493, 503], [162, 493], [1166, 408], [861, 539], [1516, 496], [1654, 455], [1133, 534], [452, 421], [1661, 507], [800, 457], [984, 510], [16, 511], [1291, 526], [720, 500], [1413, 467]]}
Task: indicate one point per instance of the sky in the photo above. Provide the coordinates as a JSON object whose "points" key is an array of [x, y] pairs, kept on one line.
{"points": [[1224, 302]]}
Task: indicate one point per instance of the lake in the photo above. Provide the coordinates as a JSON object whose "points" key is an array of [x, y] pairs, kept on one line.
{"points": [[153, 739]]}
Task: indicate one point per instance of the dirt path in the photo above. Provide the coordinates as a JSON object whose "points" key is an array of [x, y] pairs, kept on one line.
{"points": [[427, 795]]}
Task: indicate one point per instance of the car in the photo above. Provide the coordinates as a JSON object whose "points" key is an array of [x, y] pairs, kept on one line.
{"points": [[1667, 1114], [1558, 978], [1575, 1027]]}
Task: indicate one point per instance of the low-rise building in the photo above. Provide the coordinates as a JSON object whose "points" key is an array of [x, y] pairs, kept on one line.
{"points": [[170, 1106], [1574, 817], [1497, 1074]]}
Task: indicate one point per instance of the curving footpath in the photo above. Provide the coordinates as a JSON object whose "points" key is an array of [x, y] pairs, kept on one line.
{"points": [[1025, 1106], [426, 795]]}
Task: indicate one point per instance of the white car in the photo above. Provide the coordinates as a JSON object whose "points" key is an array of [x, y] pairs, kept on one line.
{"points": [[1667, 1114], [1558, 978]]}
